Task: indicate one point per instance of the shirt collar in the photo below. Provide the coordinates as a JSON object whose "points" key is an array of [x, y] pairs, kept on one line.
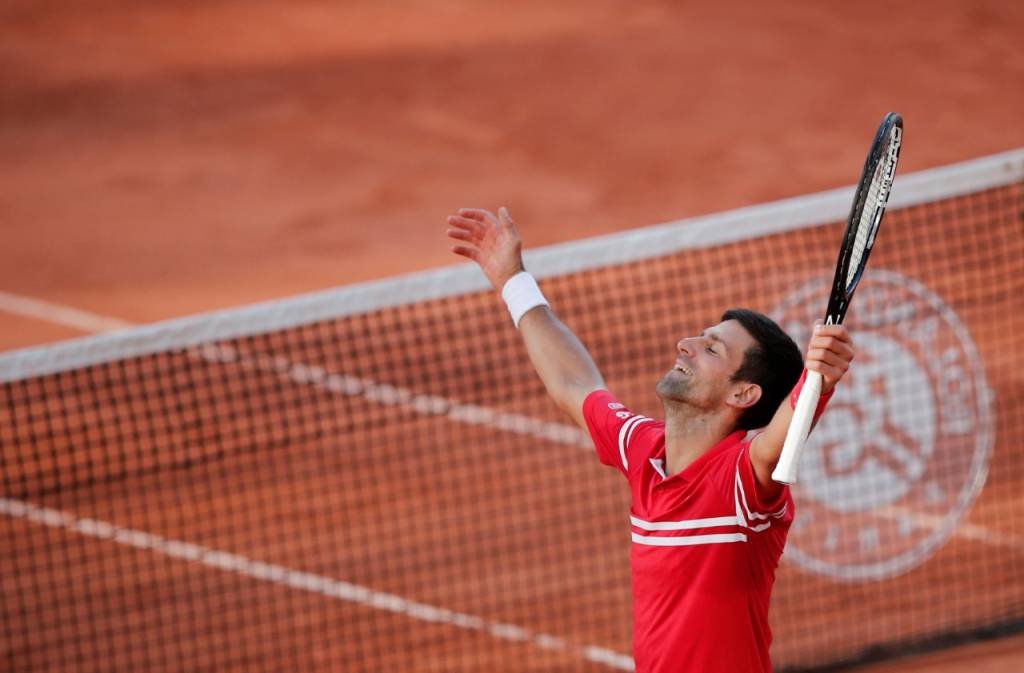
{"points": [[694, 468]]}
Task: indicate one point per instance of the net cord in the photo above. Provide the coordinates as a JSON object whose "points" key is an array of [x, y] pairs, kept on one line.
{"points": [[554, 260]]}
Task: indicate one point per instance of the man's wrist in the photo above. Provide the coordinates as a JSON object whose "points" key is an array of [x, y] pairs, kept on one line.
{"points": [[822, 400], [521, 294]]}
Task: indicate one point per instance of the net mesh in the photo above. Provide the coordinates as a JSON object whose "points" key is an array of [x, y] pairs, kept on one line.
{"points": [[392, 490]]}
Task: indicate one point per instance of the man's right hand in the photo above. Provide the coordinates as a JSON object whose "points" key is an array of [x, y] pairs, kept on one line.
{"points": [[564, 365], [492, 242]]}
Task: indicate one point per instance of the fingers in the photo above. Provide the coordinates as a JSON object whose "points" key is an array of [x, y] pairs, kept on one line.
{"points": [[830, 352], [830, 358], [466, 251], [476, 226], [822, 346], [831, 337], [469, 224], [832, 375], [478, 214], [460, 234], [838, 331], [477, 222], [490, 241]]}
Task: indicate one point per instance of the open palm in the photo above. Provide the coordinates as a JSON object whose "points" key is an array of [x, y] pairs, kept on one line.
{"points": [[491, 241]]}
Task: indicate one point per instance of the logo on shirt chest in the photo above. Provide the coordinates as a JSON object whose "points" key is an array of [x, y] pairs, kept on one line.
{"points": [[902, 452]]}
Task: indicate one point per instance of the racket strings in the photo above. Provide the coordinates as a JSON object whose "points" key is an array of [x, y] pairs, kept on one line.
{"points": [[868, 221]]}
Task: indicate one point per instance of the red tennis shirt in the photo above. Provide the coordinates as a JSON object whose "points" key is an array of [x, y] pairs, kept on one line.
{"points": [[705, 548]]}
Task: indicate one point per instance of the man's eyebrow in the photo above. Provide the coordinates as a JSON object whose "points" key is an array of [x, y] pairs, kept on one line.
{"points": [[714, 337]]}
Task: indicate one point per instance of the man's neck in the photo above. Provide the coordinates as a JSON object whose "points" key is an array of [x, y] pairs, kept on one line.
{"points": [[689, 434]]}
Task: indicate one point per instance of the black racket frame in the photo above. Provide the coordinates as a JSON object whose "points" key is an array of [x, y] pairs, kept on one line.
{"points": [[881, 146]]}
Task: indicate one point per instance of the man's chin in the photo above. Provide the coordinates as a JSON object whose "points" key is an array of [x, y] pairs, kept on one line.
{"points": [[670, 390]]}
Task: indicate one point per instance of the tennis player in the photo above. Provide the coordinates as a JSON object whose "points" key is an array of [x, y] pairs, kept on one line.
{"points": [[708, 523]]}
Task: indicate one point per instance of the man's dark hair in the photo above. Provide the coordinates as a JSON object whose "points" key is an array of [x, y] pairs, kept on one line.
{"points": [[775, 364]]}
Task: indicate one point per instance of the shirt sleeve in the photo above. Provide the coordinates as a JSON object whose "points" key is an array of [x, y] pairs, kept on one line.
{"points": [[612, 428], [753, 512]]}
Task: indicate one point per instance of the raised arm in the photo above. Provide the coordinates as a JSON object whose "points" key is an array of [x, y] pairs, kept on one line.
{"points": [[561, 360], [829, 352]]}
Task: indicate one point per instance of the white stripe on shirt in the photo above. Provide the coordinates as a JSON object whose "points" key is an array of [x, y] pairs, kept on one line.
{"points": [[687, 540], [743, 512], [686, 524], [625, 433]]}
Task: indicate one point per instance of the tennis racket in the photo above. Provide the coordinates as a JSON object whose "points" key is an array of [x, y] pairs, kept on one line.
{"points": [[861, 228]]}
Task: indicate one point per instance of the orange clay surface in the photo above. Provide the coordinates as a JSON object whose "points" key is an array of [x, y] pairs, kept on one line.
{"points": [[161, 159]]}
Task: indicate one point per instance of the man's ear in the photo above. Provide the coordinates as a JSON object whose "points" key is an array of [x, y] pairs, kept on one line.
{"points": [[744, 395]]}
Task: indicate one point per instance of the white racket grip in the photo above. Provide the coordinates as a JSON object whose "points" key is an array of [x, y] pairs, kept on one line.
{"points": [[793, 448]]}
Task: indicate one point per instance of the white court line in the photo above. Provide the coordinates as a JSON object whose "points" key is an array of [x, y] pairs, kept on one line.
{"points": [[963, 531], [326, 586], [389, 395], [59, 314], [559, 433], [421, 403], [303, 581]]}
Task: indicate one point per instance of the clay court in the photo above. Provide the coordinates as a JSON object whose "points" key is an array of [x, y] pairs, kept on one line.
{"points": [[168, 159]]}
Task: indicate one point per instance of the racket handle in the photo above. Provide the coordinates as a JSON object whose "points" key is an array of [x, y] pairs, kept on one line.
{"points": [[793, 448]]}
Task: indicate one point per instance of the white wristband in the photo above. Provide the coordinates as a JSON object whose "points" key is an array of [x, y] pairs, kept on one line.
{"points": [[522, 294]]}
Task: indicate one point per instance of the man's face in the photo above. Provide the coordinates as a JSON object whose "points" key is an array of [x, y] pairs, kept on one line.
{"points": [[704, 365]]}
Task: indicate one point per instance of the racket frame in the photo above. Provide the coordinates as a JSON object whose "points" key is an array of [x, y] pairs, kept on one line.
{"points": [[885, 147]]}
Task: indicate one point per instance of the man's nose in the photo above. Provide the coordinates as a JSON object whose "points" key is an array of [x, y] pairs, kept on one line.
{"points": [[685, 345]]}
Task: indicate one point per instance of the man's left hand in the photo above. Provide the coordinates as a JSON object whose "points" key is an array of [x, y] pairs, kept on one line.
{"points": [[829, 353]]}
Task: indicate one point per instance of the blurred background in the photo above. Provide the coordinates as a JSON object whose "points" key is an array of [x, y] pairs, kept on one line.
{"points": [[164, 158]]}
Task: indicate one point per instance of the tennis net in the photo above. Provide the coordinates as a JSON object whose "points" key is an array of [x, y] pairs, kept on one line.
{"points": [[372, 478]]}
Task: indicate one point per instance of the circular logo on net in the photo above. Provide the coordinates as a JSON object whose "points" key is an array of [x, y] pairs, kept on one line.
{"points": [[902, 451]]}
